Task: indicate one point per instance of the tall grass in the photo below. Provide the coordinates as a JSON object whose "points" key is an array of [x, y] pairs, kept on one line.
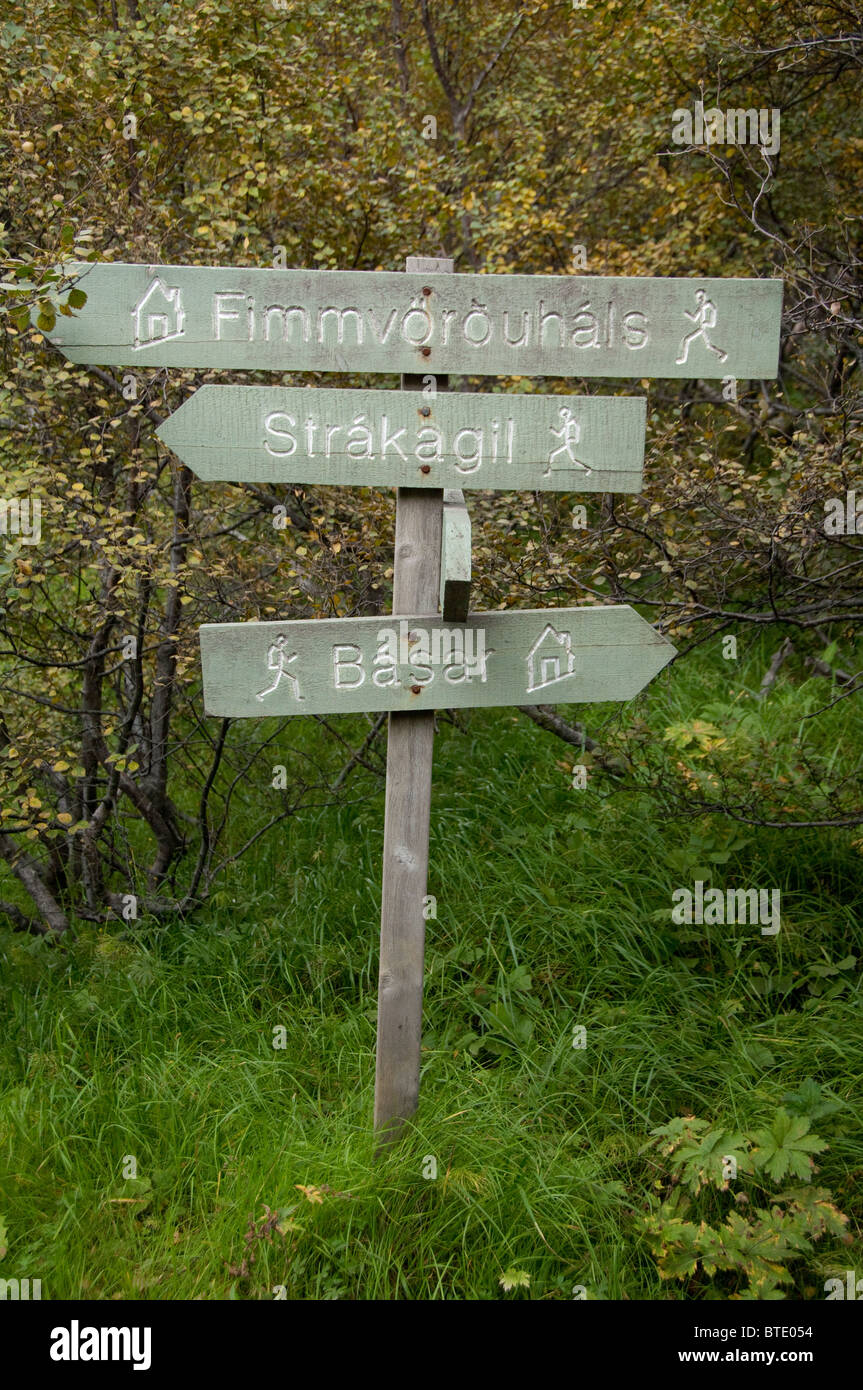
{"points": [[156, 1043]]}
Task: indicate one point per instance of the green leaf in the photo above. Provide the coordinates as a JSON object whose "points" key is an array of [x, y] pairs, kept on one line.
{"points": [[807, 1100], [822, 1214], [702, 1160], [77, 298], [786, 1147], [519, 979]]}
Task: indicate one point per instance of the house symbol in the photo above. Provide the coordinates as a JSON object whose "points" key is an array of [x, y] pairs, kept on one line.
{"points": [[550, 659], [158, 315]]}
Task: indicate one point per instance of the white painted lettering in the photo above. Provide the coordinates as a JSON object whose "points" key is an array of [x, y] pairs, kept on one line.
{"points": [[352, 658], [221, 313], [273, 428], [388, 440]]}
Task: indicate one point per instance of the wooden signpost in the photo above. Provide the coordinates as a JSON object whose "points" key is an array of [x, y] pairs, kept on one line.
{"points": [[407, 806], [429, 444]]}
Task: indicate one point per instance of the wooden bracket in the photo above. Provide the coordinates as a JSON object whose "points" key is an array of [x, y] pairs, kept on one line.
{"points": [[455, 557]]}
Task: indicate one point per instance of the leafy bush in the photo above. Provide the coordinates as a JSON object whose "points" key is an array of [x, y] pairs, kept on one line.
{"points": [[755, 1236]]}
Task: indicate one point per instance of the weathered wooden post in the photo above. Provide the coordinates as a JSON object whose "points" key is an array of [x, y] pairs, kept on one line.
{"points": [[410, 748]]}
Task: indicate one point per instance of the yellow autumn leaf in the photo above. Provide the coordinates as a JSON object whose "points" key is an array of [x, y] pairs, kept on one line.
{"points": [[311, 1194]]}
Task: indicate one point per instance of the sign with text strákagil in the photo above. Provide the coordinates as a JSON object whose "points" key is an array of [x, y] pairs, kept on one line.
{"points": [[273, 434], [353, 665], [383, 321]]}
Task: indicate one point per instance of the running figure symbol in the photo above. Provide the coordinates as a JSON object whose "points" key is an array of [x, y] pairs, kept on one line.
{"points": [[568, 434], [703, 318], [277, 661]]}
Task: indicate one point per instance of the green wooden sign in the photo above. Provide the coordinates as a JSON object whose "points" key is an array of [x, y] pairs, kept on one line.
{"points": [[277, 434], [423, 322], [352, 665]]}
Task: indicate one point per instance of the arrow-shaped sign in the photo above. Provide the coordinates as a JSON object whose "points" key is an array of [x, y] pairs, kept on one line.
{"points": [[386, 321], [348, 665], [269, 434]]}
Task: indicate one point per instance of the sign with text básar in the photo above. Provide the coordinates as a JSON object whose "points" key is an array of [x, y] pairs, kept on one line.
{"points": [[353, 665]]}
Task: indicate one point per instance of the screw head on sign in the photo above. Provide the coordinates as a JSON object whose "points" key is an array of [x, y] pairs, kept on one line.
{"points": [[425, 468], [415, 689], [425, 410], [426, 289], [426, 351]]}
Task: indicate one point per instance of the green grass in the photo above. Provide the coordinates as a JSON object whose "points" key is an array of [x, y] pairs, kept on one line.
{"points": [[553, 910]]}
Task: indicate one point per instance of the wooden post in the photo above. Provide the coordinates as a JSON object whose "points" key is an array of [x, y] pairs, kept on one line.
{"points": [[410, 745]]}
